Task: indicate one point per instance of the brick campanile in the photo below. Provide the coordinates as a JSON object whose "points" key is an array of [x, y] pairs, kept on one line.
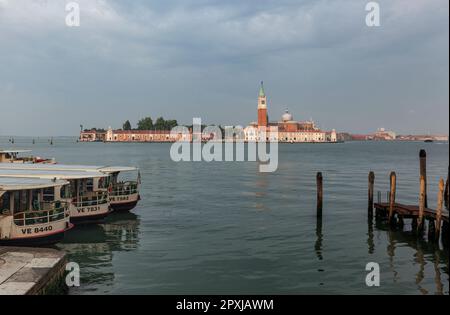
{"points": [[263, 119]]}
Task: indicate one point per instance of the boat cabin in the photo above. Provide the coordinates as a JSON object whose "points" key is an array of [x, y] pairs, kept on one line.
{"points": [[88, 191], [33, 211], [125, 181]]}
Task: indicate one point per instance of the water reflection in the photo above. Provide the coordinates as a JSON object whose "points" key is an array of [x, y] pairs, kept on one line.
{"points": [[424, 253], [391, 253], [319, 238], [370, 235], [261, 185], [93, 248]]}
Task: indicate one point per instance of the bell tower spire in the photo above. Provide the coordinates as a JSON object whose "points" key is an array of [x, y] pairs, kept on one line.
{"points": [[263, 119]]}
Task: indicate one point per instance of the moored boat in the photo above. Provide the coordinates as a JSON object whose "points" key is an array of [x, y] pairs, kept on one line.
{"points": [[14, 156], [124, 194], [33, 211], [88, 193]]}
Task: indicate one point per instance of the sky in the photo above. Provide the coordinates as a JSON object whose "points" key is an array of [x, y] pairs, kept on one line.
{"points": [[205, 58]]}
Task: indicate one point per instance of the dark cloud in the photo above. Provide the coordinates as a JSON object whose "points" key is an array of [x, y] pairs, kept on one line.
{"points": [[186, 58]]}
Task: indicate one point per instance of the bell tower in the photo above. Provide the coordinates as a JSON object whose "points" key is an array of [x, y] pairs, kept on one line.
{"points": [[263, 119]]}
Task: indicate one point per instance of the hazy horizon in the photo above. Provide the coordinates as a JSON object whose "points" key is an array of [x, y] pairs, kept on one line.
{"points": [[187, 58]]}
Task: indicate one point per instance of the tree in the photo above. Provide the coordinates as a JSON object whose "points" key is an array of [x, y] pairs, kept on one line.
{"points": [[127, 125], [171, 124], [160, 124], [145, 124]]}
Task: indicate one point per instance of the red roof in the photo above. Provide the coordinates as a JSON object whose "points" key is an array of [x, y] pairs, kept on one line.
{"points": [[141, 132]]}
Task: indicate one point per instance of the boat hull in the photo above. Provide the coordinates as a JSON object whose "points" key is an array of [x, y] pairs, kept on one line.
{"points": [[41, 240], [90, 219], [124, 203], [89, 214], [123, 207]]}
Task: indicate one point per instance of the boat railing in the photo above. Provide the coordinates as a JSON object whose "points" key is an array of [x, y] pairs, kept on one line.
{"points": [[94, 199], [42, 213], [125, 188]]}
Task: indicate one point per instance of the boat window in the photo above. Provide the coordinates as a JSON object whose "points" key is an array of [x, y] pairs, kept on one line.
{"points": [[90, 184], [73, 187], [49, 194], [5, 202], [101, 182], [35, 199], [21, 199], [65, 192]]}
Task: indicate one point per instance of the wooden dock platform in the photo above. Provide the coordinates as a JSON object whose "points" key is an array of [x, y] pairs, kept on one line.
{"points": [[31, 271], [411, 211]]}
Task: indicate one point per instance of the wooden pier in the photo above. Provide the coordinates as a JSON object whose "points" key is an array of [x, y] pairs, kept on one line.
{"points": [[395, 212], [409, 211]]}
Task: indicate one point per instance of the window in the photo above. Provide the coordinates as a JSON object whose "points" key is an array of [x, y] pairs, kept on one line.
{"points": [[104, 182], [35, 199], [65, 192], [48, 194], [90, 184], [4, 202], [20, 201]]}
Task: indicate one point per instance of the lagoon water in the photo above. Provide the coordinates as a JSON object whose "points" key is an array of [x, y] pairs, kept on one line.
{"points": [[225, 228]]}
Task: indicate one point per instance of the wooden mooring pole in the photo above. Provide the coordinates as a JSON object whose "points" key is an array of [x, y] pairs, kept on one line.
{"points": [[392, 195], [319, 180], [423, 172], [447, 201], [420, 223], [445, 233], [371, 190], [440, 201]]}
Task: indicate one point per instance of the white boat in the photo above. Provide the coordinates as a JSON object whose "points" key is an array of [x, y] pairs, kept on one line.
{"points": [[14, 156], [124, 194], [33, 211], [88, 196]]}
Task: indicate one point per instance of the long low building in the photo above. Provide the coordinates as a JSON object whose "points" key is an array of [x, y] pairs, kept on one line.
{"points": [[111, 135], [145, 136]]}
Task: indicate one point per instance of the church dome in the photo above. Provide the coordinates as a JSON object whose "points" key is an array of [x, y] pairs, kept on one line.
{"points": [[287, 116]]}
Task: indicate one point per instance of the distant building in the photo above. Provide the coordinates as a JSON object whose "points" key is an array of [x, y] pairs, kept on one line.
{"points": [[443, 138], [383, 134], [145, 136], [357, 137], [92, 135], [286, 129]]}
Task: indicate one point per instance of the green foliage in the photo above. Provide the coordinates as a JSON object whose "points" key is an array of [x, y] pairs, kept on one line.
{"points": [[145, 124], [127, 125], [162, 124], [95, 129]]}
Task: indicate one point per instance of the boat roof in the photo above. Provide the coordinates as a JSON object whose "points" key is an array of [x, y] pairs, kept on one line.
{"points": [[13, 151], [50, 174], [65, 167], [17, 183]]}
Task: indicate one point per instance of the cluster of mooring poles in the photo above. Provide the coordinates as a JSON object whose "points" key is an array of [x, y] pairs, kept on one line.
{"points": [[395, 213]]}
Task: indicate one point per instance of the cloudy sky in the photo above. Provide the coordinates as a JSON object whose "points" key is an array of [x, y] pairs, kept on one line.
{"points": [[205, 58]]}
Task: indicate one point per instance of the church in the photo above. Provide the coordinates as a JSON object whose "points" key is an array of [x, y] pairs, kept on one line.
{"points": [[286, 129]]}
